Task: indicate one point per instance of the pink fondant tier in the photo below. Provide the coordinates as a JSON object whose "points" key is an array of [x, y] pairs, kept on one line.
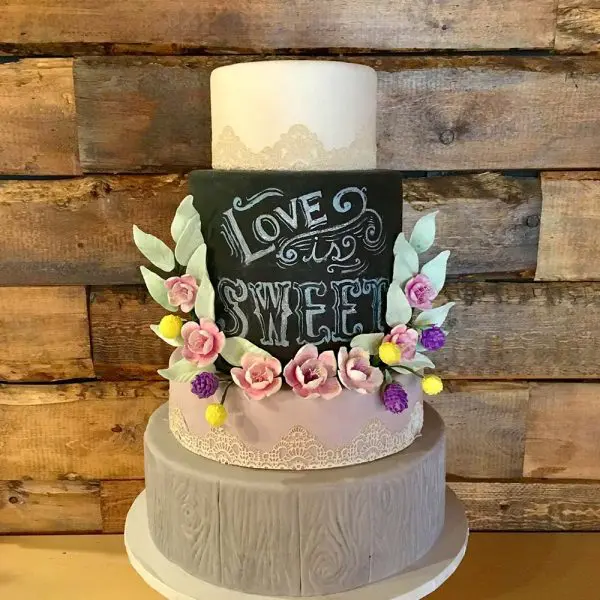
{"points": [[285, 431]]}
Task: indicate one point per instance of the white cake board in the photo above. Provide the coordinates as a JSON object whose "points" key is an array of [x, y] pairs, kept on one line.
{"points": [[421, 579]]}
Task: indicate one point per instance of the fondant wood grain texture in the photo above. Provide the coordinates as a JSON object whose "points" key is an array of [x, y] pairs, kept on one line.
{"points": [[57, 229], [251, 523], [291, 532], [38, 134], [498, 331], [166, 25]]}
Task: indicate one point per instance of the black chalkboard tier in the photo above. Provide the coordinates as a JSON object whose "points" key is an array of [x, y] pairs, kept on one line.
{"points": [[299, 257]]}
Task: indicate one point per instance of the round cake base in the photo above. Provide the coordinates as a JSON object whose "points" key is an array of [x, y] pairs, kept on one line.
{"points": [[421, 579]]}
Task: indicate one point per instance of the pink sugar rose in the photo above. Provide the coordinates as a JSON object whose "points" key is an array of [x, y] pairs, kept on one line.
{"points": [[405, 339], [182, 291], [356, 373], [311, 374], [259, 376], [202, 342], [420, 292]]}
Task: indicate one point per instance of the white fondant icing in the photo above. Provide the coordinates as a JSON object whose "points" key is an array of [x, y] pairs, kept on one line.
{"points": [[294, 115]]}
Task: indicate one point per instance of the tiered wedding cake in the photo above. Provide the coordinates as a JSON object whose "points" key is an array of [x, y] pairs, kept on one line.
{"points": [[295, 456]]}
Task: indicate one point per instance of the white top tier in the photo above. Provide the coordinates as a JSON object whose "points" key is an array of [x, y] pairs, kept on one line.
{"points": [[294, 115]]}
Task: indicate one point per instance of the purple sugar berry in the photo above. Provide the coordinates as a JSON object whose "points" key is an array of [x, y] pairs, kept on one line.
{"points": [[204, 385], [395, 398], [433, 338]]}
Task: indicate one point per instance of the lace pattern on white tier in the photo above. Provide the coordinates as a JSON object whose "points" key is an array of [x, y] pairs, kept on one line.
{"points": [[299, 149], [299, 449]]}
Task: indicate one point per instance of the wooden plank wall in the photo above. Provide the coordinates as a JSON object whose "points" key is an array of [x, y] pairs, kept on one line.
{"points": [[491, 107]]}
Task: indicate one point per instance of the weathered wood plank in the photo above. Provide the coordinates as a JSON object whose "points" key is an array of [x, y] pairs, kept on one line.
{"points": [[44, 334], [49, 507], [98, 436], [488, 113], [562, 434], [530, 506], [38, 134], [578, 26], [488, 221], [124, 346], [78, 231], [569, 241], [56, 230], [435, 113], [497, 331], [116, 499], [384, 25], [521, 331], [486, 428], [162, 103]]}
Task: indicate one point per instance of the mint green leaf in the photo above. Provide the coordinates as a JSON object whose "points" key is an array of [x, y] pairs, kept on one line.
{"points": [[157, 289], [184, 371], [402, 370], [435, 269], [205, 299], [406, 260], [196, 266], [367, 341], [189, 241], [423, 233], [236, 347], [398, 310], [185, 211], [433, 316], [420, 361], [178, 341], [155, 250], [388, 377]]}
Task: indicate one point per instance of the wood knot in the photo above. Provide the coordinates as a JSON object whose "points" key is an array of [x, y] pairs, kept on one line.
{"points": [[447, 137], [532, 221], [13, 500], [117, 429]]}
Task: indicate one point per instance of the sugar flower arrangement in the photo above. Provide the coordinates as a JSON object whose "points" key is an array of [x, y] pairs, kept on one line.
{"points": [[371, 364]]}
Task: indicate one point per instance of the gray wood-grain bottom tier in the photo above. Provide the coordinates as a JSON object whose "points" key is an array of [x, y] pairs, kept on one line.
{"points": [[294, 533]]}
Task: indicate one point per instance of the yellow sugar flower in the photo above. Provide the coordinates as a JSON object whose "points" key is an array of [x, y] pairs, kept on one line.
{"points": [[390, 353], [432, 385], [215, 414], [170, 326]]}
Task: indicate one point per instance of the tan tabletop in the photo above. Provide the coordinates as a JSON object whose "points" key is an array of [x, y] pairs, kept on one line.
{"points": [[498, 566]]}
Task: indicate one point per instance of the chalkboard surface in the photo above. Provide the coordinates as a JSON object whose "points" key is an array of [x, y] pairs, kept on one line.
{"points": [[299, 257]]}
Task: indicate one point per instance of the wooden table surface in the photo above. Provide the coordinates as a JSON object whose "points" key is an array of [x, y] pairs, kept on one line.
{"points": [[498, 566]]}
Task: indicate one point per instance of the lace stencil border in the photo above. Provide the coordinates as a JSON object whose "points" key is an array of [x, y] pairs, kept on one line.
{"points": [[299, 449], [298, 149]]}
